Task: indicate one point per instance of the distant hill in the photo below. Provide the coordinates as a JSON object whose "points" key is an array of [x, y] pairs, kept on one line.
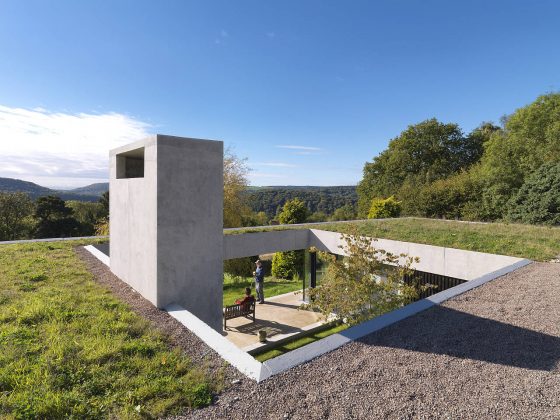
{"points": [[267, 199], [317, 199], [93, 189], [17, 185], [35, 191]]}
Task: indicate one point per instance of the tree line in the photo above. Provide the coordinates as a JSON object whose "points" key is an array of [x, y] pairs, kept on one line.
{"points": [[50, 217], [508, 172], [326, 200]]}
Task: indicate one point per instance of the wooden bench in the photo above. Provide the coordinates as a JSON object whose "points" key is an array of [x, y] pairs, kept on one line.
{"points": [[238, 310]]}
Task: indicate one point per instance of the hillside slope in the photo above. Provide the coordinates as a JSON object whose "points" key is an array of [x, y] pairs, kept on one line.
{"points": [[35, 191]]}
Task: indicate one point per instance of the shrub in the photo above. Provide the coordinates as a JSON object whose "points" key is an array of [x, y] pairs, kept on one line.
{"points": [[538, 199], [287, 265], [384, 208], [242, 267], [450, 198], [366, 283], [294, 211]]}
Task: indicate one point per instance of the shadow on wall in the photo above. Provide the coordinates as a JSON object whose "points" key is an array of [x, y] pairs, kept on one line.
{"points": [[458, 334]]}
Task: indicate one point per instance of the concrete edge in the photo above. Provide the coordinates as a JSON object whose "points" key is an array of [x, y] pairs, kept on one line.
{"points": [[29, 241], [311, 351], [98, 254], [241, 360]]}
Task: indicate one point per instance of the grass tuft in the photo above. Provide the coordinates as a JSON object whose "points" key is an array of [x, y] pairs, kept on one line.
{"points": [[71, 350]]}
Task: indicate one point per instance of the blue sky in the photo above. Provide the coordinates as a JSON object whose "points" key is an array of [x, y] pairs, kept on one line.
{"points": [[334, 80]]}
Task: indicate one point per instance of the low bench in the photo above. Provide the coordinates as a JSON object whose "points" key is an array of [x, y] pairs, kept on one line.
{"points": [[238, 310]]}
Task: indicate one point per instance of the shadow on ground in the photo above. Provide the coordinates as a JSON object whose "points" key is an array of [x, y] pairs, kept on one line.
{"points": [[271, 327], [445, 331]]}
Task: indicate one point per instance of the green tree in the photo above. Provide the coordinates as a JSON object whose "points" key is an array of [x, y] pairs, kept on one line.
{"points": [[294, 211], [384, 208], [368, 282], [54, 218], [455, 197], [236, 209], [530, 138], [255, 219], [88, 215], [346, 212], [421, 154], [316, 217], [104, 201], [538, 199], [288, 264], [15, 209]]}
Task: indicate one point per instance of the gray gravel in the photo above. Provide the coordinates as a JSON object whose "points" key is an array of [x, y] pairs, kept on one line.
{"points": [[493, 352]]}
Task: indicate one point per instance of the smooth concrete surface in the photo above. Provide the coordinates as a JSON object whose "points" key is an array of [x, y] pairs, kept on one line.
{"points": [[238, 358], [258, 243], [451, 262], [457, 263], [166, 226], [279, 316], [99, 254]]}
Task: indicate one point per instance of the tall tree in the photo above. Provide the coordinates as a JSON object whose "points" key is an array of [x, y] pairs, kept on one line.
{"points": [[530, 138], [235, 184], [54, 218], [538, 199], [104, 201], [294, 211], [15, 209], [421, 154], [290, 263]]}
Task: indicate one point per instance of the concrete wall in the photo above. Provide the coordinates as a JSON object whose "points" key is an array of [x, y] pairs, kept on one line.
{"points": [[166, 227], [249, 244], [133, 227], [465, 265]]}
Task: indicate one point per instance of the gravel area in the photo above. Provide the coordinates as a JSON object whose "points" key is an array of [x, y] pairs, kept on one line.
{"points": [[493, 352]]}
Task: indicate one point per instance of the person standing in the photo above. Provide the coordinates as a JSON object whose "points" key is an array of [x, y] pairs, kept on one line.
{"points": [[259, 281]]}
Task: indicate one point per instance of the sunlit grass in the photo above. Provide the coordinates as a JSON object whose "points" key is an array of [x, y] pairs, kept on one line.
{"points": [[69, 349], [539, 243], [234, 287], [299, 341]]}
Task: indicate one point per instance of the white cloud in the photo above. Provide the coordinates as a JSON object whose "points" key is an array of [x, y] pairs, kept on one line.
{"points": [[62, 149], [293, 147], [270, 34], [276, 164], [255, 174]]}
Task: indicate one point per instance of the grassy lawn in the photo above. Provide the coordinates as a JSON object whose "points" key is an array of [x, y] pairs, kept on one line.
{"points": [[534, 242], [234, 287], [71, 350], [300, 341]]}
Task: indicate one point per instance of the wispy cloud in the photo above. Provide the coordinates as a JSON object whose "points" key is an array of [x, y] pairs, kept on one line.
{"points": [[222, 38], [270, 34], [276, 164], [62, 149], [293, 147], [255, 174]]}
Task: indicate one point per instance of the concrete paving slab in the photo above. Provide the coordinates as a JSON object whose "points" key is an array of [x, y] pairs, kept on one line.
{"points": [[279, 315]]}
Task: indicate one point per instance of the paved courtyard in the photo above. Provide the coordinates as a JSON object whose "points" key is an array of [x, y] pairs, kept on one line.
{"points": [[280, 316]]}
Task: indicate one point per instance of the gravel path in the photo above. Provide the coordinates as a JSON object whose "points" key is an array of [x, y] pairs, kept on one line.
{"points": [[493, 352]]}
